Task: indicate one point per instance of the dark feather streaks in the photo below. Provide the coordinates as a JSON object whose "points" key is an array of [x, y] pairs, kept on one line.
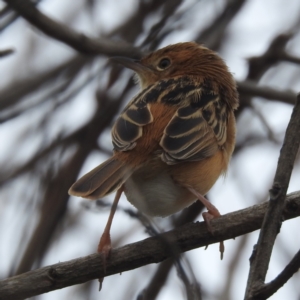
{"points": [[139, 115], [216, 116], [193, 154], [206, 98], [182, 126], [176, 95], [173, 144], [127, 131], [155, 92], [196, 130], [207, 114], [186, 111]]}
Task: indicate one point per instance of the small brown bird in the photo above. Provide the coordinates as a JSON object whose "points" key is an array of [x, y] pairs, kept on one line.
{"points": [[173, 140]]}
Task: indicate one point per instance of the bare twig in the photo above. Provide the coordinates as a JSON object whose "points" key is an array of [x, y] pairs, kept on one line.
{"points": [[151, 250], [11, 95], [63, 33], [270, 288], [56, 95], [260, 64], [252, 89], [270, 133], [154, 38], [161, 274], [290, 58], [272, 221], [213, 35], [157, 281], [132, 27], [6, 52], [9, 17]]}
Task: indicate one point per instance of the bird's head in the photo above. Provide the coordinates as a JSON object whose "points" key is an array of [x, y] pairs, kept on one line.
{"points": [[182, 59]]}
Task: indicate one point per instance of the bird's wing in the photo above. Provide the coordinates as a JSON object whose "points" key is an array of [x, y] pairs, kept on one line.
{"points": [[198, 128], [129, 126]]}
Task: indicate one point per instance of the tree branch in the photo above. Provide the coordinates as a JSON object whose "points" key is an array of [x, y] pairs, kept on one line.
{"points": [[272, 221], [213, 35], [10, 95], [63, 33], [252, 89], [151, 250], [6, 52], [270, 288]]}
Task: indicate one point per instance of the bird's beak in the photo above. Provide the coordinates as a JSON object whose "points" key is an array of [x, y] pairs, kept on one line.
{"points": [[129, 63]]}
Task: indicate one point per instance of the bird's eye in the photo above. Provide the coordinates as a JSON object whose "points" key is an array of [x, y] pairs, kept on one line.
{"points": [[163, 64]]}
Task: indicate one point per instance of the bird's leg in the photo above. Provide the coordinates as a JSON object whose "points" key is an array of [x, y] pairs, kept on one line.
{"points": [[212, 212], [104, 246]]}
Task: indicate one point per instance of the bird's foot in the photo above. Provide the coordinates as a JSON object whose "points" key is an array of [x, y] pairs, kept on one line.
{"points": [[104, 248]]}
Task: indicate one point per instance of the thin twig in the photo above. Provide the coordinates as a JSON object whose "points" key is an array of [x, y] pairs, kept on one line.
{"points": [[260, 64], [151, 250], [270, 133], [158, 280], [272, 287], [10, 95], [251, 88], [272, 221], [290, 58], [213, 35], [6, 52]]}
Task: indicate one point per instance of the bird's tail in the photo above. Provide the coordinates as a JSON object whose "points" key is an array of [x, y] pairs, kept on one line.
{"points": [[103, 180]]}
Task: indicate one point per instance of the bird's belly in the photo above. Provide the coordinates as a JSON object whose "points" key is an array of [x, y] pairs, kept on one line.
{"points": [[157, 195]]}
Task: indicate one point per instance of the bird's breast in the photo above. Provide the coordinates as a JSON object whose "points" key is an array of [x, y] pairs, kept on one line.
{"points": [[155, 193]]}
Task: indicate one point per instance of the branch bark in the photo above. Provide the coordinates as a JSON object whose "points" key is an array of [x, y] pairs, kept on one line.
{"points": [[151, 250], [272, 221]]}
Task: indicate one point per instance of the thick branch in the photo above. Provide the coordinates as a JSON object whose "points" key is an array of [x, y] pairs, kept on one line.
{"points": [[63, 33], [151, 250], [272, 221]]}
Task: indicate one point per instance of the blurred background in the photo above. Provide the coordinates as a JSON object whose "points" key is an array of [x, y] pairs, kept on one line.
{"points": [[57, 107]]}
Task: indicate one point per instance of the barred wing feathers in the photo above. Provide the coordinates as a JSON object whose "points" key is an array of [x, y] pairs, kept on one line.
{"points": [[197, 129]]}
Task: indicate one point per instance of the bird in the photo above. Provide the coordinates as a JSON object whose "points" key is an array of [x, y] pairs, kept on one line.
{"points": [[173, 140]]}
